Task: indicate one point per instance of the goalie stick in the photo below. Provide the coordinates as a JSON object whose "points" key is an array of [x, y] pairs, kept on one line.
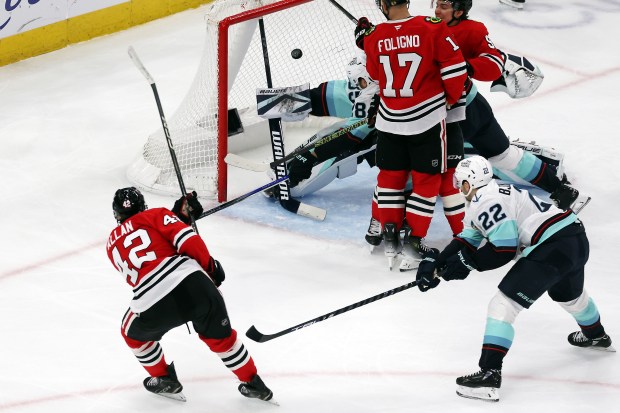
{"points": [[255, 335], [277, 147], [136, 60], [311, 143]]}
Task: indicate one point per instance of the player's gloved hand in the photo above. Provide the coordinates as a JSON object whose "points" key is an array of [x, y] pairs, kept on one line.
{"points": [[457, 267], [425, 277], [364, 27], [372, 111], [216, 272], [186, 205], [300, 168]]}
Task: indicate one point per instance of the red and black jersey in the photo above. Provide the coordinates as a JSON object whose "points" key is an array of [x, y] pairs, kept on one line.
{"points": [[478, 50], [419, 68], [155, 251], [480, 53]]}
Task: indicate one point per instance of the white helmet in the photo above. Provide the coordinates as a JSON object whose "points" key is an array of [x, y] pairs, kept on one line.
{"points": [[356, 69], [476, 170]]}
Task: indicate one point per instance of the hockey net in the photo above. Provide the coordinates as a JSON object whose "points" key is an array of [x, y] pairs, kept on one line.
{"points": [[232, 68]]}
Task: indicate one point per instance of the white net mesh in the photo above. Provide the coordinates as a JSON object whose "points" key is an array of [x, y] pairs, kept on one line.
{"points": [[322, 33]]}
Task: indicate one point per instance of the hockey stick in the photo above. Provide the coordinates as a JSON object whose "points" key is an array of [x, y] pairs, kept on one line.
{"points": [[311, 143], [344, 11], [277, 147], [254, 334], [242, 197], [136, 60]]}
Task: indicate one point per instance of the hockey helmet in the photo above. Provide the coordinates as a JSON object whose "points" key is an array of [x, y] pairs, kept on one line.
{"points": [[392, 2], [458, 5], [127, 202], [462, 5], [356, 69], [476, 170]]}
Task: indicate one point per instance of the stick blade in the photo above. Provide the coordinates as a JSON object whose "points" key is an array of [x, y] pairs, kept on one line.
{"points": [[244, 163], [255, 335], [304, 210]]}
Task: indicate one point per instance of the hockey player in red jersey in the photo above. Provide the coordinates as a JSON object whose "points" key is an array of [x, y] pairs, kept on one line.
{"points": [[174, 280], [420, 71], [480, 128]]}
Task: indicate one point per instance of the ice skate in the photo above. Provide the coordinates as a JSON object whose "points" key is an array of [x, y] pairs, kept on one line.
{"points": [[414, 251], [256, 389], [373, 235], [483, 385], [517, 4], [602, 343], [391, 243], [166, 386]]}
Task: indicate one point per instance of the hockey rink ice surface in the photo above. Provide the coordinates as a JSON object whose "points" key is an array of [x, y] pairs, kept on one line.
{"points": [[72, 120]]}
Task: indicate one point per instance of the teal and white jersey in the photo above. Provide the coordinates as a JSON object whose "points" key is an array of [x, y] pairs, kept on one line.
{"points": [[511, 219], [340, 99]]}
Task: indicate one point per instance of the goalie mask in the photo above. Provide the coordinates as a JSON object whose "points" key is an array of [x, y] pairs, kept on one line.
{"points": [[476, 170], [127, 203], [356, 70]]}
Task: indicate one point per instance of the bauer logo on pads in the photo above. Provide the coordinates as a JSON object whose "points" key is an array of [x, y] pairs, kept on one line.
{"points": [[291, 104]]}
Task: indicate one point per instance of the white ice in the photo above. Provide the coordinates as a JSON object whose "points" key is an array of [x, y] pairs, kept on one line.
{"points": [[72, 120]]}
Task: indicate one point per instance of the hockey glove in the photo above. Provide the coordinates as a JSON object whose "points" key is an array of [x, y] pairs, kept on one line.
{"points": [[425, 277], [364, 27], [300, 168], [186, 205], [457, 267], [216, 272], [372, 111]]}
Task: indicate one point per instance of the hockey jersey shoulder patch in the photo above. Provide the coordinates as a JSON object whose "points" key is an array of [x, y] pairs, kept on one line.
{"points": [[433, 20]]}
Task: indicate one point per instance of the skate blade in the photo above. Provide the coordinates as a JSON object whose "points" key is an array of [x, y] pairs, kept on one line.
{"points": [[174, 396], [609, 349], [487, 394], [391, 260], [407, 263], [580, 204]]}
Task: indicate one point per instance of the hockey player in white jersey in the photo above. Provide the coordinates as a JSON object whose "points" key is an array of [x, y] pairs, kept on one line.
{"points": [[552, 248]]}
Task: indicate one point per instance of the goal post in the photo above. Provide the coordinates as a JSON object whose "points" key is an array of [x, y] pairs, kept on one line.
{"points": [[309, 41]]}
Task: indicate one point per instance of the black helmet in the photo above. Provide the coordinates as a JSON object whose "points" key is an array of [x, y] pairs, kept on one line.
{"points": [[127, 202], [392, 2]]}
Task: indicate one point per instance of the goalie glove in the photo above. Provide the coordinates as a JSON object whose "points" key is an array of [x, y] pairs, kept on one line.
{"points": [[300, 168], [186, 205], [521, 78]]}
